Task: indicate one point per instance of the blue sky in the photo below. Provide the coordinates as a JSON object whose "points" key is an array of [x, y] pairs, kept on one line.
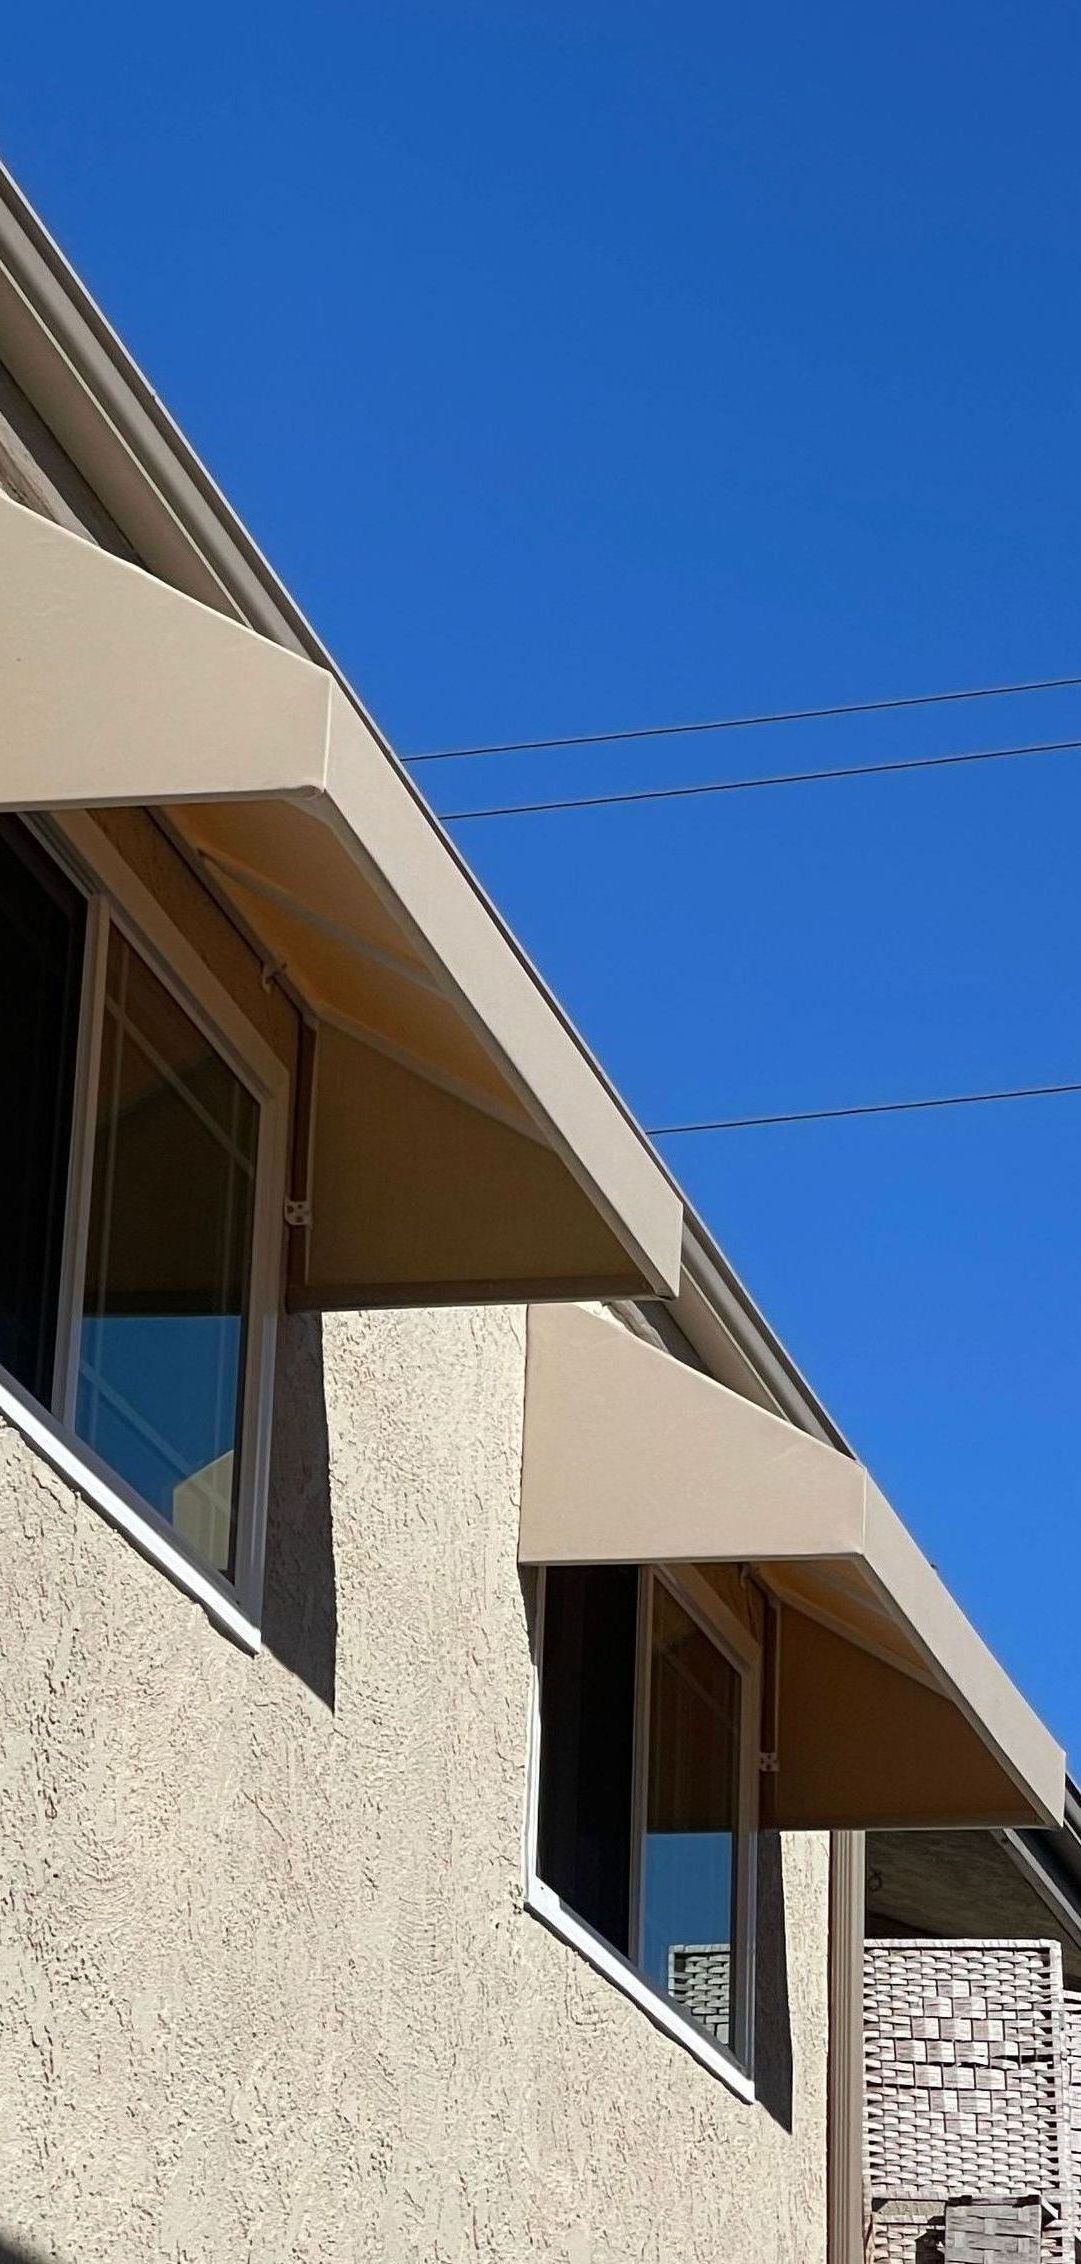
{"points": [[600, 366]]}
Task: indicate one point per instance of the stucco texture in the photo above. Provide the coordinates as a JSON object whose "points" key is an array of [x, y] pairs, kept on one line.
{"points": [[269, 1990]]}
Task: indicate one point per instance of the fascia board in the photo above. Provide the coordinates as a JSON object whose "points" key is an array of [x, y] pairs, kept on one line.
{"points": [[115, 429], [719, 1317]]}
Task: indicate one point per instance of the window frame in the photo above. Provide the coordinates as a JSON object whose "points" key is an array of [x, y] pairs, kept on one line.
{"points": [[115, 896], [739, 1647]]}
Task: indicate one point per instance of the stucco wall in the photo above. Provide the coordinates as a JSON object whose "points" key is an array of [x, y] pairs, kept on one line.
{"points": [[269, 1990]]}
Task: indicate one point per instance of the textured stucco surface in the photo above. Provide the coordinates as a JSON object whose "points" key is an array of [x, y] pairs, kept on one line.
{"points": [[269, 1992]]}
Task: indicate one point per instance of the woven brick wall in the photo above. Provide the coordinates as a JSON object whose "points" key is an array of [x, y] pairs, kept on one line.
{"points": [[1072, 2081], [966, 2087], [700, 1979], [993, 2232]]}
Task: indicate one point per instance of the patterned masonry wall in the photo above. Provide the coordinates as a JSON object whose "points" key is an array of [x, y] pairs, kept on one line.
{"points": [[700, 1980], [1072, 2056], [993, 2232], [967, 2089]]}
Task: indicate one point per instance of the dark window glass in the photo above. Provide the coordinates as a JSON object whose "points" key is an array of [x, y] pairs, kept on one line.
{"points": [[652, 1870], [587, 1745], [161, 1356], [42, 930]]}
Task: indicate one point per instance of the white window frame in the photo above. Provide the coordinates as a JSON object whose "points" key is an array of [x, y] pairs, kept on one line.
{"points": [[738, 1646], [116, 897]]}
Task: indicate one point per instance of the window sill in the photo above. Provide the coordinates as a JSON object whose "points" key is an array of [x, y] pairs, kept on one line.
{"points": [[547, 1906], [150, 1534]]}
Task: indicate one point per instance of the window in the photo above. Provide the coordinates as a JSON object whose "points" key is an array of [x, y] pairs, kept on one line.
{"points": [[644, 1808], [138, 1258]]}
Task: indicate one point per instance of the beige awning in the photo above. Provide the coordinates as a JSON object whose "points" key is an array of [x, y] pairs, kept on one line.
{"points": [[463, 1143], [886, 1709]]}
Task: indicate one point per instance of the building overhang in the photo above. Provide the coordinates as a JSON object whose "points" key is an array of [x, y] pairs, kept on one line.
{"points": [[883, 1708], [462, 1142]]}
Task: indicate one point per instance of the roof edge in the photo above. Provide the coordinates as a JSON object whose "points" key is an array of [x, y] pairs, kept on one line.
{"points": [[707, 1271]]}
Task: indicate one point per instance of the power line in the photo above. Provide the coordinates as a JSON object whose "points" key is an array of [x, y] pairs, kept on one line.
{"points": [[749, 785], [867, 1108], [746, 722]]}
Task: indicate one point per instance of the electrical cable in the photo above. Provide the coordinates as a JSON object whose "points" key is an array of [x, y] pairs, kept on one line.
{"points": [[746, 722], [867, 1108], [750, 785]]}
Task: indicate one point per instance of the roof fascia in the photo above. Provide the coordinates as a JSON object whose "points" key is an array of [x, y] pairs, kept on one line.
{"points": [[718, 1316], [1048, 1877], [92, 396], [1051, 1862]]}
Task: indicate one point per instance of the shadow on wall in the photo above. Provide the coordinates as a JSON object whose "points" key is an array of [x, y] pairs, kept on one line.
{"points": [[300, 1598], [772, 2013], [14, 2252]]}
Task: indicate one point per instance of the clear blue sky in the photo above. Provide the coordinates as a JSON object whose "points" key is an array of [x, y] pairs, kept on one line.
{"points": [[609, 364]]}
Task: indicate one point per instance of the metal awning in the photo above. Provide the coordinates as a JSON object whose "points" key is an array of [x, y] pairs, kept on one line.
{"points": [[463, 1144], [885, 1709]]}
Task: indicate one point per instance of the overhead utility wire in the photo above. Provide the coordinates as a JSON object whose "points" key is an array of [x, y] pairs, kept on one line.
{"points": [[750, 785], [746, 722], [867, 1108]]}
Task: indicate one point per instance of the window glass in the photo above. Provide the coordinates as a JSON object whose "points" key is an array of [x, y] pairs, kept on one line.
{"points": [[161, 1355], [587, 1749], [687, 1889], [42, 930], [638, 1816]]}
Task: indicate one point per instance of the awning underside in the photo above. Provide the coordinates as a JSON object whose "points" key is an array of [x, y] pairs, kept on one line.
{"points": [[462, 1142], [885, 1708], [460, 1193]]}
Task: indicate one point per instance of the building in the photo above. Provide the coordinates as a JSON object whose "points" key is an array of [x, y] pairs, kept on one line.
{"points": [[451, 1655], [972, 2041]]}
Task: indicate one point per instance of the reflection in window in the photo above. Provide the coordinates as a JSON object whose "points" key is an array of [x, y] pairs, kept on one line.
{"points": [[687, 1886], [161, 1356]]}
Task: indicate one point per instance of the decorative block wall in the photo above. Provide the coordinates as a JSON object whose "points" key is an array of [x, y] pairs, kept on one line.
{"points": [[993, 2232], [700, 1980], [967, 2089], [1072, 2057]]}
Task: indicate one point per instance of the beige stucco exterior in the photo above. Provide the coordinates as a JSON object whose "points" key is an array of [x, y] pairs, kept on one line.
{"points": [[270, 1990]]}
